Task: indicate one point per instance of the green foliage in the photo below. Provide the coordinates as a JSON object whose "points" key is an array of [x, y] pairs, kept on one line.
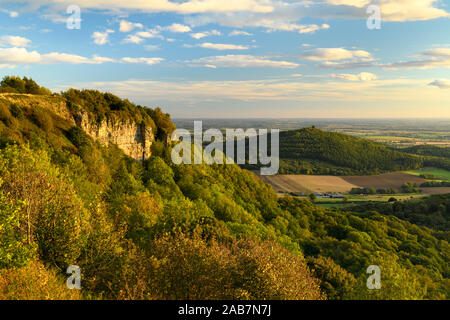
{"points": [[43, 119], [16, 111], [313, 151], [52, 214], [335, 281], [106, 106], [152, 229], [410, 187], [14, 251], [241, 270], [15, 84], [429, 150], [35, 281], [435, 184], [432, 212]]}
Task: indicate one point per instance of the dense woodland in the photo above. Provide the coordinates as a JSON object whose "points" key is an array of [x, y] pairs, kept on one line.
{"points": [[155, 230], [432, 212], [428, 150]]}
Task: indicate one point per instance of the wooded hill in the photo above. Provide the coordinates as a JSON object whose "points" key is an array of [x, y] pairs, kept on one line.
{"points": [[313, 151]]}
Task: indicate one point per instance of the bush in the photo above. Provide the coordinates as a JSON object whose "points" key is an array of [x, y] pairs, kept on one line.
{"points": [[191, 268], [16, 111], [34, 282], [335, 281], [26, 85], [6, 116], [43, 119]]}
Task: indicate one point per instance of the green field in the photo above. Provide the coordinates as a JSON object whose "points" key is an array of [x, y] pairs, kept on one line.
{"points": [[353, 200], [440, 174]]}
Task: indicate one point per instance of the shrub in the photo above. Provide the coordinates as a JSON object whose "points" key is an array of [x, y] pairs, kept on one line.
{"points": [[6, 116], [34, 282], [191, 268], [16, 111], [43, 119], [335, 281]]}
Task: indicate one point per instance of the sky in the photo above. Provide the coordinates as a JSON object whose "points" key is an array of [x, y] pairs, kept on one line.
{"points": [[240, 58]]}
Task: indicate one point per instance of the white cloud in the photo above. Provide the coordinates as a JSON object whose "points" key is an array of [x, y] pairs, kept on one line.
{"points": [[101, 38], [150, 33], [411, 10], [55, 17], [241, 61], [239, 33], [312, 28], [152, 47], [132, 38], [12, 14], [152, 6], [7, 66], [221, 46], [127, 26], [23, 56], [435, 58], [405, 94], [14, 41], [200, 35], [442, 84], [352, 64], [9, 57], [363, 76], [177, 28], [149, 61], [323, 54], [18, 56], [353, 3]]}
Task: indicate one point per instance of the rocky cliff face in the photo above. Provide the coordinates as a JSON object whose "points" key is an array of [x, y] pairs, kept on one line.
{"points": [[134, 139]]}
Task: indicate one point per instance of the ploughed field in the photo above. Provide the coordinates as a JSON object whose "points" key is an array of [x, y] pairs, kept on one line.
{"points": [[343, 184]]}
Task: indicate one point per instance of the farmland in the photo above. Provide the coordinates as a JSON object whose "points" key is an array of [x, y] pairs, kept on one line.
{"points": [[439, 174], [309, 183], [306, 184]]}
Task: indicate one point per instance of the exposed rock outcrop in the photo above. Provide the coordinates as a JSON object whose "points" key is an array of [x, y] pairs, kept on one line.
{"points": [[134, 139]]}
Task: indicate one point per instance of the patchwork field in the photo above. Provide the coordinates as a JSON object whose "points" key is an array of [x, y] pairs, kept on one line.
{"points": [[387, 180], [440, 174], [310, 183]]}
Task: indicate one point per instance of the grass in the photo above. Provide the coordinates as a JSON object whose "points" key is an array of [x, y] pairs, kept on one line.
{"points": [[354, 200], [440, 174]]}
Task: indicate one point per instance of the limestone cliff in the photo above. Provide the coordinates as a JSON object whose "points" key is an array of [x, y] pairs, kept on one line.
{"points": [[135, 139]]}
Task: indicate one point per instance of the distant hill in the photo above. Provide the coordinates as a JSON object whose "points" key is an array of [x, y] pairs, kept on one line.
{"points": [[313, 151]]}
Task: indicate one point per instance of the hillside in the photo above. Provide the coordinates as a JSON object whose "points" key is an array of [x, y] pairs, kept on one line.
{"points": [[151, 229], [428, 150], [313, 151]]}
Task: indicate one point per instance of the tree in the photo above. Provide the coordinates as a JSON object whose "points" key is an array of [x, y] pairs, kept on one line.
{"points": [[14, 251]]}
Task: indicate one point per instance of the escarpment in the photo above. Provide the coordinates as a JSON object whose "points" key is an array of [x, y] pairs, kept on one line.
{"points": [[104, 117], [133, 138]]}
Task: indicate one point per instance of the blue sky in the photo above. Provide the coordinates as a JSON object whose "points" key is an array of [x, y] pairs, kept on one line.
{"points": [[239, 58]]}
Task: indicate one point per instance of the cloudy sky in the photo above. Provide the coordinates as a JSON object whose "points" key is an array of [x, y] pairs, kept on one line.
{"points": [[239, 58]]}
